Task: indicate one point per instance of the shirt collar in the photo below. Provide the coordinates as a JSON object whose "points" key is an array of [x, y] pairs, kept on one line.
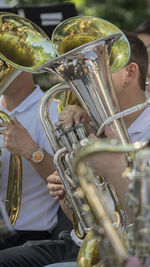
{"points": [[34, 97], [142, 122]]}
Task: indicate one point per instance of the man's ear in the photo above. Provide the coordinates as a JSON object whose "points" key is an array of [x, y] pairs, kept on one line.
{"points": [[132, 71]]}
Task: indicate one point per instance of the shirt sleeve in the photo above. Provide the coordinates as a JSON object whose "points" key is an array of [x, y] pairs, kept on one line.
{"points": [[43, 141], [76, 239]]}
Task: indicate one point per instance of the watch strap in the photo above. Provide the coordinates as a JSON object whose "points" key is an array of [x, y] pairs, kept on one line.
{"points": [[37, 156]]}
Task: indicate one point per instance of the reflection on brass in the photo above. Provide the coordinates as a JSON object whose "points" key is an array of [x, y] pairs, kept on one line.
{"points": [[78, 31], [14, 188], [89, 252], [18, 52], [23, 44]]}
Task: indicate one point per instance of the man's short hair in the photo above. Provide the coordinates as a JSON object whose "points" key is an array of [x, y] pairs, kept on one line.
{"points": [[139, 56], [143, 28]]}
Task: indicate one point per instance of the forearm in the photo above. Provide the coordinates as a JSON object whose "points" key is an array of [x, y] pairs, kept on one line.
{"points": [[19, 142], [66, 209], [46, 167]]}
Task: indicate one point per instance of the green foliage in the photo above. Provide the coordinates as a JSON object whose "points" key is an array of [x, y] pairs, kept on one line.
{"points": [[126, 14]]}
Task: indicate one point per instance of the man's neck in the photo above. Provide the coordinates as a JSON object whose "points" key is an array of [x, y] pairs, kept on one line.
{"points": [[130, 100], [17, 91]]}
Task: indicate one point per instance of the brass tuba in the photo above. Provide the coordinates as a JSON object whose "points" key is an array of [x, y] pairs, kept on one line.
{"points": [[13, 198], [85, 70]]}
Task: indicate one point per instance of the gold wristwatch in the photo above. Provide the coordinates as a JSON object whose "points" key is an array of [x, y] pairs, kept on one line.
{"points": [[37, 156]]}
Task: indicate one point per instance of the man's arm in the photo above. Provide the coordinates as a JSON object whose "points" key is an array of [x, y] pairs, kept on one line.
{"points": [[18, 141]]}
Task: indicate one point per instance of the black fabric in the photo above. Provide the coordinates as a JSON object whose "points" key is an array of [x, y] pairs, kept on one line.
{"points": [[39, 253], [63, 264], [20, 237], [17, 238], [63, 223]]}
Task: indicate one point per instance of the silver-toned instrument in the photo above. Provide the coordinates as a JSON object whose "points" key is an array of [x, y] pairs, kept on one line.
{"points": [[85, 71]]}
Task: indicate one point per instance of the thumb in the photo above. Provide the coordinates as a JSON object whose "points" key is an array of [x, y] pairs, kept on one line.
{"points": [[16, 122], [92, 136]]}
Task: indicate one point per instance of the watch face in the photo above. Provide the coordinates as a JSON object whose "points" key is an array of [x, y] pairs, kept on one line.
{"points": [[38, 156]]}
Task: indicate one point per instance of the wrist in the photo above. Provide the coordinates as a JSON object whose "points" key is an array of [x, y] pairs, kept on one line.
{"points": [[28, 150], [37, 156]]}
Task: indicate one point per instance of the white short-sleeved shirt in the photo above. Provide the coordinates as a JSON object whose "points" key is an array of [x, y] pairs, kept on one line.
{"points": [[140, 128], [38, 210]]}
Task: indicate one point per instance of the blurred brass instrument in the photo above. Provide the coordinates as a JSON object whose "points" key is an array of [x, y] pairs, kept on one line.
{"points": [[112, 246], [138, 198], [14, 188]]}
